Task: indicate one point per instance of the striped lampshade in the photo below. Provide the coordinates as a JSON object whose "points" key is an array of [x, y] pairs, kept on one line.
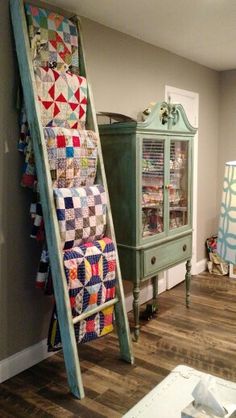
{"points": [[226, 245]]}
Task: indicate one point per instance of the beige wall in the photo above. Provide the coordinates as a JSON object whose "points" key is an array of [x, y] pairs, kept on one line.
{"points": [[126, 74], [227, 123]]}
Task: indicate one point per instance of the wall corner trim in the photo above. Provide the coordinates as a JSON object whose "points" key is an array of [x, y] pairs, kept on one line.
{"points": [[23, 360]]}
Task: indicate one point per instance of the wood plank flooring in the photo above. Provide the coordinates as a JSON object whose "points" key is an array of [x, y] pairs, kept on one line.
{"points": [[203, 337]]}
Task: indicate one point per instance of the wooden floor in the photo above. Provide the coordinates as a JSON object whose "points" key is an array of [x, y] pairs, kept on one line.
{"points": [[203, 337]]}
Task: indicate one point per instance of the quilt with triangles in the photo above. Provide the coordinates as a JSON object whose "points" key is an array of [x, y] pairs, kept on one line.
{"points": [[72, 156], [62, 97], [53, 39], [91, 277], [81, 214]]}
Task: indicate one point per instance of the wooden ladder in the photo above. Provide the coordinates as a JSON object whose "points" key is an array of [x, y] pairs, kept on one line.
{"points": [[49, 212]]}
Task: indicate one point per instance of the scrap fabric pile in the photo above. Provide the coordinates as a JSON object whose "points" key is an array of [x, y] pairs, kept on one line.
{"points": [[88, 254]]}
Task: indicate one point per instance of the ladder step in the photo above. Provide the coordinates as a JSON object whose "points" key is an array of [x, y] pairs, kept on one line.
{"points": [[99, 308]]}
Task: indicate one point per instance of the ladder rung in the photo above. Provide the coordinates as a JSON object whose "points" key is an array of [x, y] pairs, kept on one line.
{"points": [[94, 310]]}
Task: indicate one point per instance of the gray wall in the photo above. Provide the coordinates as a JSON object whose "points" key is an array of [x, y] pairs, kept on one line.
{"points": [[23, 310], [126, 74]]}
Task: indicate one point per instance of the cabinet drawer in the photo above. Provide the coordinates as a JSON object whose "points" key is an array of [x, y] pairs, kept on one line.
{"points": [[166, 255]]}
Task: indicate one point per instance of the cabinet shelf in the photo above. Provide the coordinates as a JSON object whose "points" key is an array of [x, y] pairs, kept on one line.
{"points": [[153, 173], [178, 208]]}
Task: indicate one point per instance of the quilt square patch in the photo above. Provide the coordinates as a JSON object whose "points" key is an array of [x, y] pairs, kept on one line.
{"points": [[62, 98], [68, 149], [53, 39], [80, 218], [91, 278]]}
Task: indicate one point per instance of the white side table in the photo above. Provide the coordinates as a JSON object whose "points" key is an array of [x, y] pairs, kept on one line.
{"points": [[173, 394]]}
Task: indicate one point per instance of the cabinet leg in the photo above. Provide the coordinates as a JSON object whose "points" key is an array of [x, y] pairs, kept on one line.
{"points": [[155, 292], [188, 281], [136, 291], [152, 307]]}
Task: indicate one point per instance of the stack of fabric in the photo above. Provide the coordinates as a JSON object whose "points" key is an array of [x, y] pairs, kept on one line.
{"points": [[81, 206]]}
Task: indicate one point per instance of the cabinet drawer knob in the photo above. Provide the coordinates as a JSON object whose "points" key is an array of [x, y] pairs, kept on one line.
{"points": [[184, 247], [153, 260]]}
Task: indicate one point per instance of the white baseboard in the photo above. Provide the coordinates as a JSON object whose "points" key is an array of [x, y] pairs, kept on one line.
{"points": [[146, 292], [30, 356], [22, 360], [199, 267], [27, 358]]}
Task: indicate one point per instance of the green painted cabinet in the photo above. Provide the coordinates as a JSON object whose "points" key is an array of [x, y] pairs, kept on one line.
{"points": [[149, 169]]}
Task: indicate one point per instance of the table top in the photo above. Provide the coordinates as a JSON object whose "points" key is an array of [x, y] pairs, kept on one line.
{"points": [[174, 393]]}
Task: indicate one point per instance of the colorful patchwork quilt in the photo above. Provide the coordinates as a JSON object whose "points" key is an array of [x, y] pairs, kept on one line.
{"points": [[81, 214], [91, 277], [53, 39], [43, 269], [62, 98], [37, 230], [72, 156], [54, 43], [25, 146], [24, 131]]}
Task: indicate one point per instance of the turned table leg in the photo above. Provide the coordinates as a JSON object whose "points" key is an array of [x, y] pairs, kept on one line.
{"points": [[136, 291], [188, 281], [155, 292]]}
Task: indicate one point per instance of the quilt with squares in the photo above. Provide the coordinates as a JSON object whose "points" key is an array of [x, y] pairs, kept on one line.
{"points": [[81, 214], [24, 131], [37, 229], [62, 98], [72, 156], [25, 146], [90, 273], [43, 269], [53, 39]]}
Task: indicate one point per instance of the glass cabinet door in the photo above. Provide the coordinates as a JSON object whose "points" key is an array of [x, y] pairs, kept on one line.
{"points": [[178, 187], [152, 186]]}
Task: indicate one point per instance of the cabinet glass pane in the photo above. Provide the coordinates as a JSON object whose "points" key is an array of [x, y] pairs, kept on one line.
{"points": [[152, 186], [178, 188]]}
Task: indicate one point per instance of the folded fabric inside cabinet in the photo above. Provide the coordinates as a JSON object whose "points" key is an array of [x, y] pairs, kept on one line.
{"points": [[81, 214], [72, 156], [91, 277], [53, 39], [62, 98]]}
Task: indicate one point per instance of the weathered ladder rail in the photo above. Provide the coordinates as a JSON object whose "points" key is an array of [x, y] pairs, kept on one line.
{"points": [[49, 212]]}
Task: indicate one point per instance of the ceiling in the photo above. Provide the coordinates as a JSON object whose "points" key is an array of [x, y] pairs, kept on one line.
{"points": [[203, 31]]}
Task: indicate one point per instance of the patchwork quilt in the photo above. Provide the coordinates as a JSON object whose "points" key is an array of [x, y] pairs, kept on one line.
{"points": [[24, 131], [54, 44], [37, 229], [53, 39], [43, 269], [25, 146], [81, 214], [29, 177], [72, 156], [62, 97], [91, 278]]}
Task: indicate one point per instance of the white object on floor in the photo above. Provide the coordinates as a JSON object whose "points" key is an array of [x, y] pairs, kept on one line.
{"points": [[174, 393]]}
